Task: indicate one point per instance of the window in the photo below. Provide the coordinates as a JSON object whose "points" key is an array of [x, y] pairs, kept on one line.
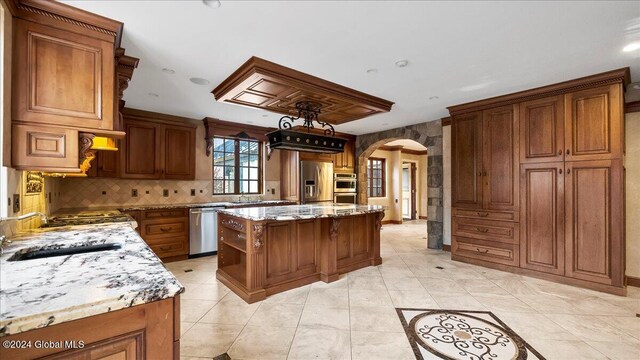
{"points": [[237, 166], [376, 177]]}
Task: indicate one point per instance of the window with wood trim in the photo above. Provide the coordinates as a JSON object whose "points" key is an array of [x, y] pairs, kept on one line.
{"points": [[376, 177], [237, 166]]}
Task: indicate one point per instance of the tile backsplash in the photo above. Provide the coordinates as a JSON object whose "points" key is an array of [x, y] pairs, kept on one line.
{"points": [[104, 192]]}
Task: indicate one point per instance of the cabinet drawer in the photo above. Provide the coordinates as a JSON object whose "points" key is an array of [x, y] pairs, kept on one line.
{"points": [[172, 246], [503, 231], [486, 214], [502, 253], [164, 213], [37, 147], [161, 228]]}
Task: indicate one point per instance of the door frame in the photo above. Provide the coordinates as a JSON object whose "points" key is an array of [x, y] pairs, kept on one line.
{"points": [[413, 209]]}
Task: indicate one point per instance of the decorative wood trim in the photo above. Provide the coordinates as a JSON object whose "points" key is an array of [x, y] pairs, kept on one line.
{"points": [[379, 217], [402, 150], [619, 76], [446, 247], [445, 121], [159, 117], [86, 155], [632, 281], [632, 107], [333, 230], [285, 86], [125, 65], [258, 232], [69, 15], [233, 224], [423, 217], [396, 222]]}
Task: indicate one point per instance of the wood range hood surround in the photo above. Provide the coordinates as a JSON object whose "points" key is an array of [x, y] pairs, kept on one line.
{"points": [[262, 84]]}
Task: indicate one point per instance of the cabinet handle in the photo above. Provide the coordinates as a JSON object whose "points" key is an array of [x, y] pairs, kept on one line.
{"points": [[484, 252], [479, 173], [559, 171], [482, 230], [165, 248], [560, 152], [483, 214], [568, 151], [568, 171], [165, 229], [484, 173]]}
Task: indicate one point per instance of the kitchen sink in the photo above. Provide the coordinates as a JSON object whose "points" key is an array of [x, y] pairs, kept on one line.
{"points": [[29, 254]]}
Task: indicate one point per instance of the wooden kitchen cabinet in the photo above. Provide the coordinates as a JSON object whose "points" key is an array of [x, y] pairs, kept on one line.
{"points": [[594, 124], [344, 162], [62, 77], [594, 221], [147, 331], [567, 199], [542, 130], [289, 175], [157, 149], [466, 165], [542, 217], [38, 147], [166, 231], [353, 241]]}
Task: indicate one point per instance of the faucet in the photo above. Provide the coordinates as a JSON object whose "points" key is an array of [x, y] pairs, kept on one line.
{"points": [[242, 198], [43, 217]]}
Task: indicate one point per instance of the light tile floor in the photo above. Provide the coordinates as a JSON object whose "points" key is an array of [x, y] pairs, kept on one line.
{"points": [[354, 317]]}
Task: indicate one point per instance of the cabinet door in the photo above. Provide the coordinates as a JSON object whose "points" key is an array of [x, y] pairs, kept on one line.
{"points": [[594, 122], [466, 154], [500, 159], [62, 78], [594, 221], [345, 161], [542, 217], [44, 148], [141, 157], [179, 153], [542, 130], [109, 163], [289, 168]]}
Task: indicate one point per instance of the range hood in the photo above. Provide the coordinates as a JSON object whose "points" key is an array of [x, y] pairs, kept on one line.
{"points": [[286, 138]]}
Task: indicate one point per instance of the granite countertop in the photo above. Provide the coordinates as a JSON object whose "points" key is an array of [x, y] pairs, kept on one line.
{"points": [[90, 218], [295, 212], [41, 292]]}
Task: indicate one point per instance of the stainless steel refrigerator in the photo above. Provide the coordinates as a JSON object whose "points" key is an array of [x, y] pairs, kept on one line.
{"points": [[316, 181]]}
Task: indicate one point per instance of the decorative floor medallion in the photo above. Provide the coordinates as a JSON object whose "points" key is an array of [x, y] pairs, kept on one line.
{"points": [[464, 334]]}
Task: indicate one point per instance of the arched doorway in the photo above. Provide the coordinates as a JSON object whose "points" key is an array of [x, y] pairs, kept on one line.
{"points": [[430, 136]]}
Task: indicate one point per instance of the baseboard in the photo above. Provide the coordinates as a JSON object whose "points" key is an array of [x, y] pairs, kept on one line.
{"points": [[397, 222], [632, 281], [422, 217], [446, 247]]}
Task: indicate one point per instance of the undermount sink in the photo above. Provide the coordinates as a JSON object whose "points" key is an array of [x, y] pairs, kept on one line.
{"points": [[47, 253]]}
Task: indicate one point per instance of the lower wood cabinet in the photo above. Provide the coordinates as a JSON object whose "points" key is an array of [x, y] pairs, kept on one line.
{"points": [[166, 231], [148, 331], [291, 250], [353, 242]]}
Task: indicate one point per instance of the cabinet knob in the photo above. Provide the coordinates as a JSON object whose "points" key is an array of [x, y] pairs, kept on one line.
{"points": [[479, 173], [568, 151], [559, 171], [560, 152], [568, 171]]}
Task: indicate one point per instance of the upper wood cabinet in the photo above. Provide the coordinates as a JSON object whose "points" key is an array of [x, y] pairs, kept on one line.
{"points": [[594, 124], [158, 150], [466, 165], [289, 175], [500, 158], [345, 161], [62, 77], [542, 130], [44, 148]]}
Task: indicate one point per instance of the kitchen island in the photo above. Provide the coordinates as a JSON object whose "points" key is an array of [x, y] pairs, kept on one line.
{"points": [[267, 250]]}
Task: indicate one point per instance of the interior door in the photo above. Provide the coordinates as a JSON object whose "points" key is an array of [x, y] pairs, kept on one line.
{"points": [[466, 165], [406, 191], [594, 220], [542, 217], [499, 163], [593, 121], [542, 130]]}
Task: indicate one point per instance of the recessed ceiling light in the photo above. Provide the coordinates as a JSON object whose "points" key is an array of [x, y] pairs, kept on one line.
{"points": [[249, 122], [372, 71], [153, 94], [265, 115], [199, 81], [434, 98], [384, 124], [402, 63], [168, 71], [632, 47], [212, 3]]}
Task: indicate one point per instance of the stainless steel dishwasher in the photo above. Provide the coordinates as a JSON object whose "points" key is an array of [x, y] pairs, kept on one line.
{"points": [[203, 231]]}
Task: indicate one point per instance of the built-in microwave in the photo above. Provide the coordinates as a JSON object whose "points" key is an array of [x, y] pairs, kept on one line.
{"points": [[344, 183], [345, 198]]}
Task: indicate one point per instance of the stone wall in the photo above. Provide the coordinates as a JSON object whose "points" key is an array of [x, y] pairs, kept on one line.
{"points": [[428, 134]]}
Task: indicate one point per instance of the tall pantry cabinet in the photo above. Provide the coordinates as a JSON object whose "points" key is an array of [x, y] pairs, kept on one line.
{"points": [[537, 182]]}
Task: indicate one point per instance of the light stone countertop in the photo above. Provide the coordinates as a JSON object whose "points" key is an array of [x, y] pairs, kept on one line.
{"points": [[296, 212], [37, 293]]}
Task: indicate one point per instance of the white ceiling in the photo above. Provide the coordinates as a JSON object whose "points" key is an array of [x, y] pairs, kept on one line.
{"points": [[407, 144], [457, 51]]}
